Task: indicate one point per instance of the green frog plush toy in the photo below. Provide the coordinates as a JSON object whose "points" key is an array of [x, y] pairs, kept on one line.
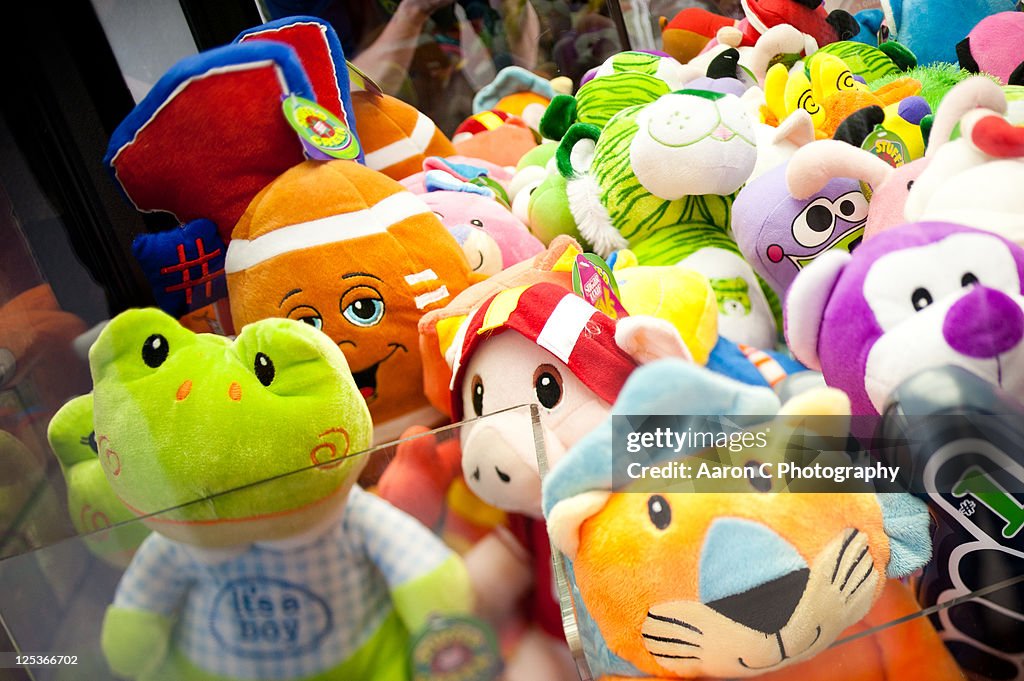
{"points": [[305, 576], [95, 510]]}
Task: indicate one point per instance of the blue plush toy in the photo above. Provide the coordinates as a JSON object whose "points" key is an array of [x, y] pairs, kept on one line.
{"points": [[932, 29], [764, 368], [870, 21]]}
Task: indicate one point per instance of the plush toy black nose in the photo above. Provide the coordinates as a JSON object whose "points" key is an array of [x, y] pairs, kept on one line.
{"points": [[767, 607]]}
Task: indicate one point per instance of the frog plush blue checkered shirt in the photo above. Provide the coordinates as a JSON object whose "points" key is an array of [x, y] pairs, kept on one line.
{"points": [[289, 609]]}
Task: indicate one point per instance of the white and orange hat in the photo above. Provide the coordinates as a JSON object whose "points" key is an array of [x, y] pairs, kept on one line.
{"points": [[571, 329]]}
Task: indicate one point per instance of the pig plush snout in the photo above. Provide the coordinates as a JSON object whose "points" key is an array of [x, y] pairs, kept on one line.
{"points": [[499, 461]]}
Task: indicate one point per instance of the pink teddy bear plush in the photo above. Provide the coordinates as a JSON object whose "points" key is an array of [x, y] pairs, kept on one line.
{"points": [[491, 236]]}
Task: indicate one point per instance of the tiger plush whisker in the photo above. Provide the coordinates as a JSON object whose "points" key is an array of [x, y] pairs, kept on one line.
{"points": [[667, 639], [863, 579], [842, 551], [677, 622], [849, 573]]}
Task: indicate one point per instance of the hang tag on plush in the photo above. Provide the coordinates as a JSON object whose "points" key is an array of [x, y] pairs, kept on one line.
{"points": [[887, 146], [324, 135], [361, 81], [454, 649], [593, 281]]}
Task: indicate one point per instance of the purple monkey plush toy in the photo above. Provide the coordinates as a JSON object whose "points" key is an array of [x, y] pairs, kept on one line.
{"points": [[779, 235], [918, 296]]}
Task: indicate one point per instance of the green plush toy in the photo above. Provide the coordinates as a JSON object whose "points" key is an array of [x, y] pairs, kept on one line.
{"points": [[660, 179], [549, 213], [888, 60], [624, 79], [95, 510], [1015, 103], [303, 577], [936, 80]]}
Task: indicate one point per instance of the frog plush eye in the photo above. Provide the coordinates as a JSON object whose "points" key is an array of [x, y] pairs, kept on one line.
{"points": [[264, 369], [155, 350]]}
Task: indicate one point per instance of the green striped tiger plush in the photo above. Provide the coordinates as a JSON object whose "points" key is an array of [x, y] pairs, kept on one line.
{"points": [[660, 179], [869, 62], [625, 79]]}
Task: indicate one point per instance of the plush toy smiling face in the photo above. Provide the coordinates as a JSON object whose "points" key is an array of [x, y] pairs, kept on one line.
{"points": [[691, 611], [780, 235], [735, 582], [344, 249], [180, 417], [917, 296], [706, 135]]}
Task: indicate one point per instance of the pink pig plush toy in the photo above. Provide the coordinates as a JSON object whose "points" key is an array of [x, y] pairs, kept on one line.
{"points": [[539, 344]]}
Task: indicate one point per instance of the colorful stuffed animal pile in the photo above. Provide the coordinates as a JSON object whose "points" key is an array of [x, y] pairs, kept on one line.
{"points": [[776, 216]]}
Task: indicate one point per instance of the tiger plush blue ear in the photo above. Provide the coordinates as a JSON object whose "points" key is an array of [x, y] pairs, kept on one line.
{"points": [[906, 522]]}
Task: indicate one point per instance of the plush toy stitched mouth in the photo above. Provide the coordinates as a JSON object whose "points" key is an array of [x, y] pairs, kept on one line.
{"points": [[782, 651], [366, 379]]}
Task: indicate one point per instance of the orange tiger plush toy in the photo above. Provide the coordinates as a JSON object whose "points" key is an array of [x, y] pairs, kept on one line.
{"points": [[347, 250], [743, 583]]}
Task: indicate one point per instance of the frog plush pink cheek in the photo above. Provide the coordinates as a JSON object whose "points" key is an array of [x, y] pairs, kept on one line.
{"points": [[918, 296]]}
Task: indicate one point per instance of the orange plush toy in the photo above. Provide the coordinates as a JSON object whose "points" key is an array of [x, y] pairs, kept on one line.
{"points": [[494, 136], [349, 251], [39, 368], [396, 136], [747, 579]]}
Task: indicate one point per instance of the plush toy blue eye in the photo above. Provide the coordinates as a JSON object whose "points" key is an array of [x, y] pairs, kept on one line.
{"points": [[364, 312], [307, 314]]}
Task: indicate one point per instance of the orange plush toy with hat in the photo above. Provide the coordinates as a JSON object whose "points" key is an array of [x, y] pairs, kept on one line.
{"points": [[345, 249]]}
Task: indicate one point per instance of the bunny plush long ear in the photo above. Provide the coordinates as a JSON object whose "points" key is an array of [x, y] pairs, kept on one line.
{"points": [[778, 41], [816, 164], [646, 339]]}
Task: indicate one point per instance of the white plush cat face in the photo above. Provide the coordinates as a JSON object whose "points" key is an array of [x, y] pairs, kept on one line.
{"points": [[708, 139]]}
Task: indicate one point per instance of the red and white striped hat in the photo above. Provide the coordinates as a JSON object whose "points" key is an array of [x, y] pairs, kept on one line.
{"points": [[571, 329]]}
